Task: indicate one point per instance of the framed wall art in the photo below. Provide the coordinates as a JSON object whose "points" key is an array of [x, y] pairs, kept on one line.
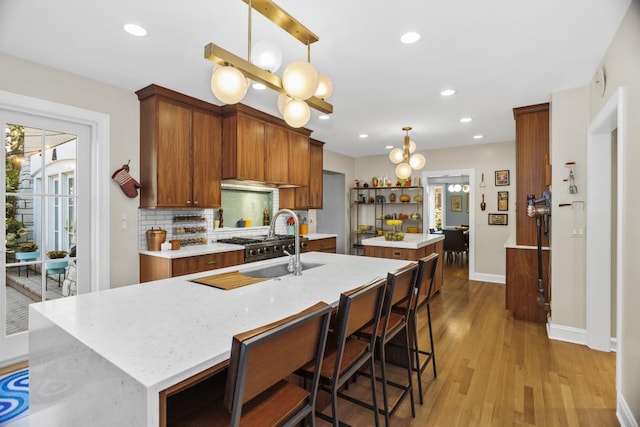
{"points": [[456, 203], [503, 200], [502, 177], [498, 219]]}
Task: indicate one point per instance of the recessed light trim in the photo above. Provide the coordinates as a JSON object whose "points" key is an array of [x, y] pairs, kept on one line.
{"points": [[465, 120], [477, 136], [363, 136], [388, 147], [135, 30], [448, 92], [323, 117], [410, 37]]}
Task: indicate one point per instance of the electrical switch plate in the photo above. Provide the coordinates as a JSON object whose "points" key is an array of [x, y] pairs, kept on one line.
{"points": [[577, 231], [124, 225]]}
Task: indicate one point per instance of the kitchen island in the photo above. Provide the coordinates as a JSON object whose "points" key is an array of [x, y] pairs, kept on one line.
{"points": [[107, 358], [413, 247]]}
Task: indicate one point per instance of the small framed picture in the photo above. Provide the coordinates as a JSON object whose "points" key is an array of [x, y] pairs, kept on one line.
{"points": [[498, 219], [503, 200], [502, 177], [456, 203]]}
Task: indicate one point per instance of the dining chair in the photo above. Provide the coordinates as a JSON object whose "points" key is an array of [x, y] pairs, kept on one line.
{"points": [[257, 393], [400, 288], [345, 354], [454, 245], [423, 293]]}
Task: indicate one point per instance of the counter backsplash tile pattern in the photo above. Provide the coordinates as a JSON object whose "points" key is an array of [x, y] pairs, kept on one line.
{"points": [[164, 218]]}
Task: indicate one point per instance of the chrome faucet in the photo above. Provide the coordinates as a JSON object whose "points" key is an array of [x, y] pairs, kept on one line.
{"points": [[272, 232]]}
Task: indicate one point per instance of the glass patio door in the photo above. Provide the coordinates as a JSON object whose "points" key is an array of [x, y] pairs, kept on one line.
{"points": [[42, 224]]}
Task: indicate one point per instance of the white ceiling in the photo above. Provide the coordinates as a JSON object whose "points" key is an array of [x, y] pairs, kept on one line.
{"points": [[497, 54]]}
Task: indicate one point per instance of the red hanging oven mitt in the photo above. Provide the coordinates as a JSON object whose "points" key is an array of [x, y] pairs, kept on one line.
{"points": [[128, 185]]}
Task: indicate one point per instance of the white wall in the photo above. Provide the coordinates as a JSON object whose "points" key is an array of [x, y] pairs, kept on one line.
{"points": [[340, 163], [34, 80], [569, 122], [622, 68], [484, 158]]}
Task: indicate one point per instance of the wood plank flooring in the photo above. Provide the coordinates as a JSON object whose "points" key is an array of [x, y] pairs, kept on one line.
{"points": [[497, 371]]}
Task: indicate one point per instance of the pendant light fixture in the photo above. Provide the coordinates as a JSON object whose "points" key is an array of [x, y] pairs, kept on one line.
{"points": [[404, 159], [300, 81]]}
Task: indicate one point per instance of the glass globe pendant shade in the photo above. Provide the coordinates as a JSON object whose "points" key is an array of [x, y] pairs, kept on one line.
{"points": [[283, 99], [296, 113], [228, 84], [403, 171], [451, 188], [266, 55], [396, 155], [457, 188], [417, 161], [325, 87], [300, 80], [412, 146], [465, 188]]}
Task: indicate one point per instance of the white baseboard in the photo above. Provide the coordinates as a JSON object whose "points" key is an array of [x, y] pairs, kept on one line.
{"points": [[624, 413], [482, 277], [567, 334]]}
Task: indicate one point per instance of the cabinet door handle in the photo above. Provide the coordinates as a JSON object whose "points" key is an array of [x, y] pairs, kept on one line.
{"points": [[195, 202], [212, 262], [188, 202], [396, 253]]}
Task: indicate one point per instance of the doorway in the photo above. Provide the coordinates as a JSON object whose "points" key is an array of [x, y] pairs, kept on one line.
{"points": [[331, 218], [605, 148], [435, 180], [53, 245]]}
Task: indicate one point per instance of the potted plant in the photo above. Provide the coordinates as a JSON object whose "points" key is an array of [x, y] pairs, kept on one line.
{"points": [[56, 267], [27, 251], [56, 254]]}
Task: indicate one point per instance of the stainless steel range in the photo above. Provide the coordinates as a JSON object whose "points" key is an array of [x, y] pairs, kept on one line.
{"points": [[258, 248]]}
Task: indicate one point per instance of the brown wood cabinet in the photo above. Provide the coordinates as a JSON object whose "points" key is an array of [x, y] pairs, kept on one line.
{"points": [[180, 146], [412, 255], [309, 196], [155, 268], [522, 284], [532, 150], [259, 147], [322, 245]]}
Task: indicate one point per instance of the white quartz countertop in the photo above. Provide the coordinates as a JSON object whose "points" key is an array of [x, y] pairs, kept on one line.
{"points": [[410, 241], [195, 250], [165, 331]]}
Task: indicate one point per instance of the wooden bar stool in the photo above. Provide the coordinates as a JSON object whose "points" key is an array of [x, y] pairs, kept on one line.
{"points": [[256, 392], [424, 288], [345, 354], [400, 288]]}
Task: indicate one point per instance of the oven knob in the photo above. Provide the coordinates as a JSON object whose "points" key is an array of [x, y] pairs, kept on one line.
{"points": [[267, 250], [291, 246], [277, 248], [260, 251], [284, 247], [252, 252], [303, 245]]}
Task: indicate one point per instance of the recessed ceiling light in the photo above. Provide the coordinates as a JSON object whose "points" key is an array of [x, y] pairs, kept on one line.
{"points": [[135, 30], [323, 117], [477, 136], [410, 37], [448, 92], [363, 135], [465, 119], [388, 147], [259, 86]]}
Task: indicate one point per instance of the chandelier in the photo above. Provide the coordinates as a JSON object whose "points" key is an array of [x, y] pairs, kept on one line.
{"points": [[300, 87], [404, 159]]}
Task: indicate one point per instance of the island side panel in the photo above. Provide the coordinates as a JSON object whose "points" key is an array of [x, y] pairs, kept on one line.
{"points": [[71, 385]]}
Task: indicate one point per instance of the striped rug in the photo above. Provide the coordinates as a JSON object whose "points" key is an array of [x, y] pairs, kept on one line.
{"points": [[14, 396]]}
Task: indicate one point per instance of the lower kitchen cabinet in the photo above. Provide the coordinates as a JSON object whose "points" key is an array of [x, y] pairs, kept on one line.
{"points": [[412, 255], [522, 284], [155, 268], [322, 245]]}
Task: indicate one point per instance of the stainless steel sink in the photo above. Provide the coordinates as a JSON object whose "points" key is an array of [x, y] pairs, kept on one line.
{"points": [[277, 270]]}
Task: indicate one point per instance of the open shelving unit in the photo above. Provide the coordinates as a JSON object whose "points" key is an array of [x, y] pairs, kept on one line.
{"points": [[375, 205]]}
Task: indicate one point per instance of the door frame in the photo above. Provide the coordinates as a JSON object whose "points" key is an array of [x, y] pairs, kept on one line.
{"points": [[99, 134], [471, 173]]}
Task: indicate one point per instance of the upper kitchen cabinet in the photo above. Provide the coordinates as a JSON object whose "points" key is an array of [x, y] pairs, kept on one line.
{"points": [[259, 147], [180, 150], [309, 196]]}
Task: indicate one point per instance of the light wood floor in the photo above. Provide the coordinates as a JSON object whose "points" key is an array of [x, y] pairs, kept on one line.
{"points": [[496, 371]]}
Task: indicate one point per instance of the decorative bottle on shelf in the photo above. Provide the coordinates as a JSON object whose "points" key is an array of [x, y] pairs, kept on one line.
{"points": [[392, 197], [266, 218]]}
